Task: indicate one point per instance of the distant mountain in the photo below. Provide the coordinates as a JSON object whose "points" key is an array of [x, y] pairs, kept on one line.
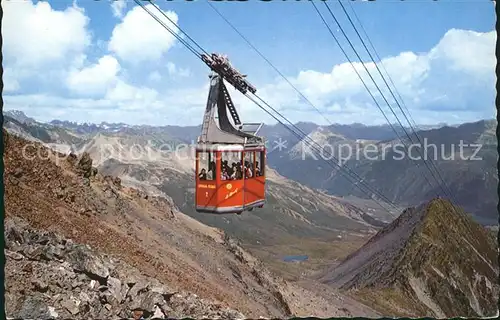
{"points": [[189, 133], [432, 261], [472, 182], [355, 131], [29, 129], [360, 131], [19, 116]]}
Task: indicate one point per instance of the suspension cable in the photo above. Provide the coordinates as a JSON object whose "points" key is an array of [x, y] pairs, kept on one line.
{"points": [[267, 60], [187, 35], [190, 48], [304, 137], [395, 99], [272, 65], [366, 87], [388, 104], [248, 96], [340, 168], [396, 91]]}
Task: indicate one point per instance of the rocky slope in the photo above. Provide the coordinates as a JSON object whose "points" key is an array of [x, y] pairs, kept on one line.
{"points": [[433, 261], [135, 234], [52, 277]]}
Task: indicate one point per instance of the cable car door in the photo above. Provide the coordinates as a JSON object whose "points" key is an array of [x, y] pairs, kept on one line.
{"points": [[248, 165], [206, 186]]}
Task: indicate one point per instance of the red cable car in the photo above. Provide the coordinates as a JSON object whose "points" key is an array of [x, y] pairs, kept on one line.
{"points": [[230, 162]]}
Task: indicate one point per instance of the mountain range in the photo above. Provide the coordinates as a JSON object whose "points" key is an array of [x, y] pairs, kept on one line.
{"points": [[470, 183], [294, 213], [433, 259], [469, 176], [106, 184]]}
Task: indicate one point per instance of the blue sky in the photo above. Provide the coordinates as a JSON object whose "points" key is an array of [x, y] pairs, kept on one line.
{"points": [[448, 85]]}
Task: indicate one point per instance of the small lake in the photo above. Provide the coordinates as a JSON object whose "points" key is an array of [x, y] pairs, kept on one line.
{"points": [[295, 258]]}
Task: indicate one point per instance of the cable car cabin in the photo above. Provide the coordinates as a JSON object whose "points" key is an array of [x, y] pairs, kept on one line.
{"points": [[230, 160], [230, 178]]}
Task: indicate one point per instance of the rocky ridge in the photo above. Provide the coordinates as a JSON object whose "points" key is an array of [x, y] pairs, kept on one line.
{"points": [[433, 260]]}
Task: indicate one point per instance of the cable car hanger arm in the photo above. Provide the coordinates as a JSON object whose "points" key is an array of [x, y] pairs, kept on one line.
{"points": [[220, 65]]}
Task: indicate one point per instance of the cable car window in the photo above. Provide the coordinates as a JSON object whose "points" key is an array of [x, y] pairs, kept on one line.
{"points": [[259, 163], [249, 164], [231, 165], [206, 165]]}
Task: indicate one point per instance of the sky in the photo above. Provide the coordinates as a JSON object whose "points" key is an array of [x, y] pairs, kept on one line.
{"points": [[94, 61]]}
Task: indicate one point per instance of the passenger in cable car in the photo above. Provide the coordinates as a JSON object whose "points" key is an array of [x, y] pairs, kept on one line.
{"points": [[257, 169], [234, 173], [231, 170], [224, 174], [211, 171], [248, 171], [203, 174], [238, 172]]}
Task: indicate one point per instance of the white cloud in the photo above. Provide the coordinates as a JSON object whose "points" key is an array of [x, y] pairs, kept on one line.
{"points": [[64, 40], [124, 92], [95, 79], [34, 34], [454, 76], [140, 38], [123, 103], [10, 81], [41, 44], [173, 70], [118, 6], [468, 51], [453, 80]]}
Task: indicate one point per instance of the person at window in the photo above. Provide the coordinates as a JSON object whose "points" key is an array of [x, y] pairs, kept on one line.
{"points": [[257, 169], [248, 171], [224, 175], [211, 171], [232, 171], [239, 173], [203, 174]]}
